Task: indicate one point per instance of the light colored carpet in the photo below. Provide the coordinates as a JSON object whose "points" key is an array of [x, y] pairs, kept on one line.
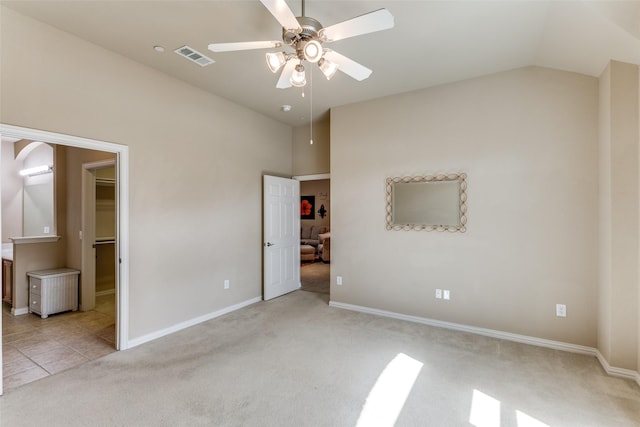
{"points": [[295, 361], [315, 277]]}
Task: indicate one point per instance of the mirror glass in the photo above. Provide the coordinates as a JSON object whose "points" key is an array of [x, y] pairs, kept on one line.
{"points": [[427, 203], [38, 209], [37, 191]]}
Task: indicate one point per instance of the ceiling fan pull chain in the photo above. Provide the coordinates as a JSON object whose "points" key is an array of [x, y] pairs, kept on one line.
{"points": [[310, 106]]}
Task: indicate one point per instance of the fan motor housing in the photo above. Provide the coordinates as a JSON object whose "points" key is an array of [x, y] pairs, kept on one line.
{"points": [[310, 29]]}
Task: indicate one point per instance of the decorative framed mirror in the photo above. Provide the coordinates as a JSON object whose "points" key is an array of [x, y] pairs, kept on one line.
{"points": [[429, 202]]}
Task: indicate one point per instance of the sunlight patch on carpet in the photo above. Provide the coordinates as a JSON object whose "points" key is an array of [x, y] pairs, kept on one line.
{"points": [[525, 420], [388, 396], [485, 412]]}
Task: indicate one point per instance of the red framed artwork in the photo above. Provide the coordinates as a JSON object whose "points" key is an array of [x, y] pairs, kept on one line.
{"points": [[307, 204]]}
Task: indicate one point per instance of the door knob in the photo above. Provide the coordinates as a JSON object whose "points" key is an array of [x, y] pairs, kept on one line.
{"points": [[268, 244]]}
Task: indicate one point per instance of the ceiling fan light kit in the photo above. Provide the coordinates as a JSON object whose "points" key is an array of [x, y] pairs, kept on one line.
{"points": [[275, 60], [298, 77], [312, 51], [327, 67], [306, 36]]}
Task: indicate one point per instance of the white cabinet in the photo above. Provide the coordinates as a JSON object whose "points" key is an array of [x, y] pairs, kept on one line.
{"points": [[53, 291]]}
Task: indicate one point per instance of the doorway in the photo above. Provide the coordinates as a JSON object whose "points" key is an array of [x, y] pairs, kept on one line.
{"points": [[121, 293], [99, 237], [315, 272]]}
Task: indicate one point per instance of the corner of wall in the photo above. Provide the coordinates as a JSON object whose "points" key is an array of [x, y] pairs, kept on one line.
{"points": [[619, 216]]}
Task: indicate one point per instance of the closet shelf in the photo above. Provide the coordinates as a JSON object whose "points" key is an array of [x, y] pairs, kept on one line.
{"points": [[105, 181], [105, 240]]}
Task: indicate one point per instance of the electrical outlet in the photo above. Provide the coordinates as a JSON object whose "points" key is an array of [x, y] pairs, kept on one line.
{"points": [[339, 280], [226, 284], [561, 310], [438, 293], [446, 294], [46, 230]]}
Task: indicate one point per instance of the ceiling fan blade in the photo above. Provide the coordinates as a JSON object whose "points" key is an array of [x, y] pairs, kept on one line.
{"points": [[282, 13], [377, 20], [348, 66], [230, 47], [284, 81]]}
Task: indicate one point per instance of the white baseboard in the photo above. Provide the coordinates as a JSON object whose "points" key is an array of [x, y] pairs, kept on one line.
{"points": [[106, 292], [617, 372], [525, 339], [175, 328], [20, 311]]}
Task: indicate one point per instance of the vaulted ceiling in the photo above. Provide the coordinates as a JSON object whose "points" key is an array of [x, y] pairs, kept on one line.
{"points": [[432, 42]]}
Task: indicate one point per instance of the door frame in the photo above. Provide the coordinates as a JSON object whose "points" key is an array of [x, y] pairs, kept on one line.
{"points": [[316, 177], [88, 227], [122, 231]]}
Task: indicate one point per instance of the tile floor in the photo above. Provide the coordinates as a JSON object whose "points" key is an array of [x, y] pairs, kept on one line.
{"points": [[33, 348]]}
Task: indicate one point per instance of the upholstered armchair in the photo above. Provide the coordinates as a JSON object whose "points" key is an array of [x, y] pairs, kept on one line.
{"points": [[309, 234], [324, 247]]}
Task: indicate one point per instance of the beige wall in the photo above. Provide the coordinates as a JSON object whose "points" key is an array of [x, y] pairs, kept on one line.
{"points": [[75, 157], [196, 165], [321, 189], [32, 257], [619, 201], [311, 159], [528, 141]]}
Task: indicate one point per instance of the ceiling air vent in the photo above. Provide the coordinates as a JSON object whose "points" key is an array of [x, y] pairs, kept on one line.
{"points": [[194, 56]]}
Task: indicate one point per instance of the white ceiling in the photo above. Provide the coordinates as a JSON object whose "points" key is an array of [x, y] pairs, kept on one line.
{"points": [[433, 42]]}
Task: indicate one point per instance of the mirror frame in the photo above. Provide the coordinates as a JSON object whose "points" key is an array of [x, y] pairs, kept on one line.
{"points": [[459, 177]]}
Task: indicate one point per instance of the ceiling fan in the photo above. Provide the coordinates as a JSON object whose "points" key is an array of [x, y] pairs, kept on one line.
{"points": [[306, 36]]}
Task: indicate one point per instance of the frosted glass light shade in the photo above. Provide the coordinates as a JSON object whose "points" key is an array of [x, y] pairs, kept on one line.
{"points": [[298, 78], [328, 68], [275, 60], [312, 51]]}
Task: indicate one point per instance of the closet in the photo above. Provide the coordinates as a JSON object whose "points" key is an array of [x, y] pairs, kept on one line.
{"points": [[105, 231]]}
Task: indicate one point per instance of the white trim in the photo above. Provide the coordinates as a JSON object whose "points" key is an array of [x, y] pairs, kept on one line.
{"points": [[315, 177], [102, 164], [186, 324], [617, 372], [34, 239], [122, 248], [106, 292], [525, 339], [58, 138], [19, 311]]}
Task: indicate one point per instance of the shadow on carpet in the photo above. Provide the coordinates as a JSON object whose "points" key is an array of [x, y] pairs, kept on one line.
{"points": [[315, 277]]}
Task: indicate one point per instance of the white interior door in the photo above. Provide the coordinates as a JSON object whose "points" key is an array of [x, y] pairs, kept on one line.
{"points": [[281, 231]]}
